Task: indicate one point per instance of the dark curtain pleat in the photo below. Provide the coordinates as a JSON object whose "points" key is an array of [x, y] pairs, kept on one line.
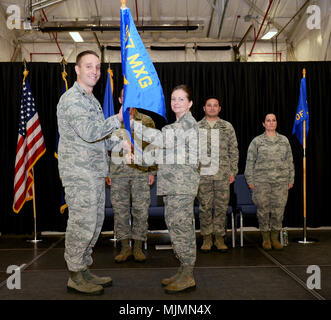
{"points": [[246, 92]]}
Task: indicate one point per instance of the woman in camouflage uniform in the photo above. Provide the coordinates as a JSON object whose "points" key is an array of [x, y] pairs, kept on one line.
{"points": [[178, 181], [270, 174]]}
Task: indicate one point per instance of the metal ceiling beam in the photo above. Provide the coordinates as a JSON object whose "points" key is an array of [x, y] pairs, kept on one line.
{"points": [[147, 42], [92, 26], [290, 34], [298, 12], [258, 34], [261, 13], [96, 8], [223, 15], [176, 47], [245, 36], [237, 47], [213, 48], [38, 3], [101, 47], [234, 29], [17, 51], [220, 7], [54, 35], [40, 6], [211, 18]]}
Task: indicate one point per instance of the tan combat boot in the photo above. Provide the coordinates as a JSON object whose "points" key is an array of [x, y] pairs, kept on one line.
{"points": [[125, 253], [78, 284], [266, 245], [138, 252], [275, 240], [184, 282], [102, 281], [207, 243], [167, 281], [219, 243]]}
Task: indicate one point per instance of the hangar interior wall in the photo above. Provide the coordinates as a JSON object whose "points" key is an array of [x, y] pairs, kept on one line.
{"points": [[303, 44]]}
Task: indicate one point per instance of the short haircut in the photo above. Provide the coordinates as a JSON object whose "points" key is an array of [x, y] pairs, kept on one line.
{"points": [[185, 88], [212, 97], [84, 53]]}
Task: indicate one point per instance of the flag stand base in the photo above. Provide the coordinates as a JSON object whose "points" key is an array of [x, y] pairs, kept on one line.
{"points": [[306, 241], [34, 240]]}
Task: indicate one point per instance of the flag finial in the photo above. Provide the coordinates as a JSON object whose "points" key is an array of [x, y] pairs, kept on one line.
{"points": [[64, 62], [25, 72], [123, 2], [304, 72]]}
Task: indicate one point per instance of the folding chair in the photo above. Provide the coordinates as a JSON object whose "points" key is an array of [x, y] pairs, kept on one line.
{"points": [[244, 204], [229, 212]]}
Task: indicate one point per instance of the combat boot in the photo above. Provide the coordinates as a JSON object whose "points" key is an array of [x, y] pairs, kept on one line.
{"points": [[138, 254], [77, 283], [219, 243], [266, 245], [185, 282], [275, 240], [207, 243], [102, 281], [125, 253], [167, 281]]}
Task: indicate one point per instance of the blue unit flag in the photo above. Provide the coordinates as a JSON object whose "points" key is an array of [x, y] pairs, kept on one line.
{"points": [[301, 113], [142, 87], [108, 103]]}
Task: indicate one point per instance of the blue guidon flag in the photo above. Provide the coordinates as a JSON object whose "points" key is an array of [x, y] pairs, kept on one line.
{"points": [[142, 87], [108, 103], [301, 113]]}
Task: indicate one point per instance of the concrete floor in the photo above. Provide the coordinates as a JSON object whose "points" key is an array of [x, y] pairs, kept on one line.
{"points": [[244, 274]]}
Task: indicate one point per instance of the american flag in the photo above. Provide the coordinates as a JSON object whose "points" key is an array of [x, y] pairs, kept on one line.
{"points": [[30, 147]]}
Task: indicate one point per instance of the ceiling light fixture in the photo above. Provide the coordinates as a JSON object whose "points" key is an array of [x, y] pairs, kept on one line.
{"points": [[76, 36], [270, 34]]}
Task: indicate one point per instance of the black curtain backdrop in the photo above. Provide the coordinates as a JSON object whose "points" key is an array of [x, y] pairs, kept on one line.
{"points": [[246, 91]]}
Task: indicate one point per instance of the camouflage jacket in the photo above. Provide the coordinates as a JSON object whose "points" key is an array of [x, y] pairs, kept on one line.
{"points": [[269, 160], [131, 170], [178, 158], [227, 153], [83, 131]]}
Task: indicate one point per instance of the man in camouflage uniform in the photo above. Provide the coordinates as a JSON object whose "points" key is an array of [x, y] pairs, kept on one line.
{"points": [[269, 174], [214, 188], [83, 166], [135, 181]]}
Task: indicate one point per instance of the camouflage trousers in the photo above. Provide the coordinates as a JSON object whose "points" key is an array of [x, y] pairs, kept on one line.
{"points": [[213, 194], [86, 205], [122, 190], [270, 199], [179, 217]]}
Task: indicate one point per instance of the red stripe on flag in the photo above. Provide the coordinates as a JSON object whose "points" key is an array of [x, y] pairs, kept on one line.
{"points": [[29, 149]]}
